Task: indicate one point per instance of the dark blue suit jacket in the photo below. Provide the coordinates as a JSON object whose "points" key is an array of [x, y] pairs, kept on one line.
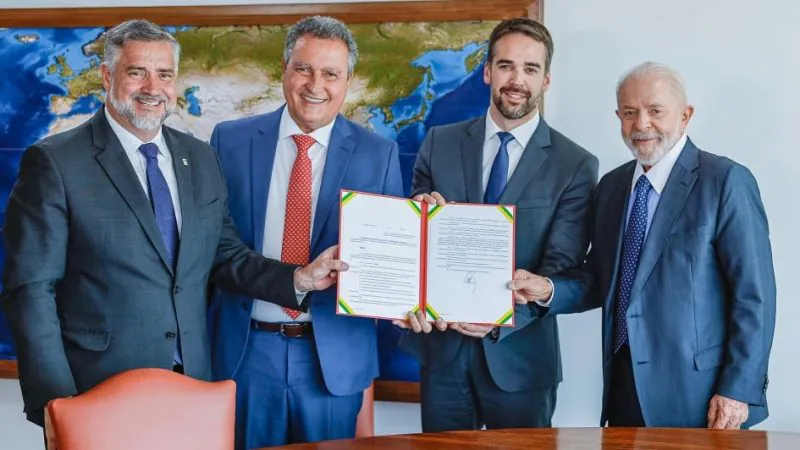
{"points": [[702, 310], [552, 190], [357, 159]]}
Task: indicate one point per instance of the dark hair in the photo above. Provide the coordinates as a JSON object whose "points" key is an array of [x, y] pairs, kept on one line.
{"points": [[527, 27]]}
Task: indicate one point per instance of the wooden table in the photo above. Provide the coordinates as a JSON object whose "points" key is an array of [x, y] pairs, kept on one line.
{"points": [[570, 438]]}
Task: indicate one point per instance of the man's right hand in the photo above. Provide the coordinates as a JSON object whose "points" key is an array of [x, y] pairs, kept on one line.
{"points": [[530, 287], [417, 322], [434, 198]]}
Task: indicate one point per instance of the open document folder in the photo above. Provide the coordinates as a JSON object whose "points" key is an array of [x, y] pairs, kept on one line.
{"points": [[452, 261]]}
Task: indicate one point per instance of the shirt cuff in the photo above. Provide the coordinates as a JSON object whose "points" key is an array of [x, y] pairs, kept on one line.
{"points": [[298, 293], [552, 293]]}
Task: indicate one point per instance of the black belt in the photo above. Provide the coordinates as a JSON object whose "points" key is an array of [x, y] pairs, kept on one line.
{"points": [[299, 329]]}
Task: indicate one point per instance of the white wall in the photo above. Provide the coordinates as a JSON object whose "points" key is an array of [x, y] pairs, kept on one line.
{"points": [[740, 61]]}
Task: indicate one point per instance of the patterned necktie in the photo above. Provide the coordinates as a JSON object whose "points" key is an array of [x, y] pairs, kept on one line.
{"points": [[161, 200], [631, 249], [297, 219], [499, 174]]}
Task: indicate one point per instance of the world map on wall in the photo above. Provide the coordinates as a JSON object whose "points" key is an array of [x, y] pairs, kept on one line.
{"points": [[410, 76]]}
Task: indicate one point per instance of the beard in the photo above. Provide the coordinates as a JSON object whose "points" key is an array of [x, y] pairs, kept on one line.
{"points": [[146, 121], [652, 156], [519, 111]]}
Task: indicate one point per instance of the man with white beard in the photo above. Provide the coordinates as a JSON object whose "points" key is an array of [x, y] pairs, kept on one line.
{"points": [[114, 231], [681, 265]]}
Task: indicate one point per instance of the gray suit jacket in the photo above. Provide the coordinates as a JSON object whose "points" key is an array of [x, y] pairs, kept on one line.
{"points": [[88, 291], [552, 190], [701, 316]]}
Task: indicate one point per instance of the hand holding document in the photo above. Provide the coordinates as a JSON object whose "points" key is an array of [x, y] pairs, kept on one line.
{"points": [[449, 261]]}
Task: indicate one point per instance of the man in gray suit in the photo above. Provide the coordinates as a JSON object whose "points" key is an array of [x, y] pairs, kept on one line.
{"points": [[681, 264], [475, 375], [114, 231]]}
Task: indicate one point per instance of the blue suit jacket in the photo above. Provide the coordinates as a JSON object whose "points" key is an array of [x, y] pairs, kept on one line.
{"points": [[702, 310], [552, 190], [357, 159]]}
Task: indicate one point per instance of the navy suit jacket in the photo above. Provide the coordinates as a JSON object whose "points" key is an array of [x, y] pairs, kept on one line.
{"points": [[357, 159], [701, 315], [552, 190]]}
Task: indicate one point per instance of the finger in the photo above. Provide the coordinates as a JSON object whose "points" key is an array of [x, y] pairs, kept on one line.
{"points": [[456, 326], [522, 274], [712, 413], [414, 323], [520, 299], [423, 321], [400, 324], [335, 264], [419, 197], [722, 420], [438, 197], [440, 324]]}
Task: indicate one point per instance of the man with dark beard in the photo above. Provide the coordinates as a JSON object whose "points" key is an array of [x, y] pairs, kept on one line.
{"points": [[476, 375], [681, 265], [114, 231]]}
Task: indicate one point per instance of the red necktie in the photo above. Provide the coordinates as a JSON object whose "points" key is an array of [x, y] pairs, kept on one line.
{"points": [[297, 219]]}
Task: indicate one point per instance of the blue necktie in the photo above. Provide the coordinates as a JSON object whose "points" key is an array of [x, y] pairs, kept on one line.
{"points": [[499, 174], [631, 249], [161, 199]]}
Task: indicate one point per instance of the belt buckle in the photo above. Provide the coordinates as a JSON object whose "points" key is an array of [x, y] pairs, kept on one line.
{"points": [[287, 326]]}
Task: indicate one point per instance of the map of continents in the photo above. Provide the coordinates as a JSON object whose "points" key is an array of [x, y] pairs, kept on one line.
{"points": [[410, 76]]}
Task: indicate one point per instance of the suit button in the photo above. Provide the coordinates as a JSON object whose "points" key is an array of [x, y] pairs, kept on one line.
{"points": [[170, 335], [176, 290]]}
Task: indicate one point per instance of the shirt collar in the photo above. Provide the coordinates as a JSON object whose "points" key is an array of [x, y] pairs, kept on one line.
{"points": [[522, 134], [288, 127], [659, 173], [130, 142]]}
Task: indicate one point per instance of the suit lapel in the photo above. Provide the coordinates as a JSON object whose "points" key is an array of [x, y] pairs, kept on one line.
{"points": [[182, 165], [472, 159], [676, 191], [340, 152], [262, 157], [117, 166], [615, 206], [532, 158]]}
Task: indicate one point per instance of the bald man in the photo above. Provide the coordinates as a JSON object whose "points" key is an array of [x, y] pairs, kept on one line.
{"points": [[681, 265]]}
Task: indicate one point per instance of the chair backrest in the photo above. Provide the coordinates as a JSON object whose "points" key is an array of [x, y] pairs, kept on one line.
{"points": [[150, 409]]}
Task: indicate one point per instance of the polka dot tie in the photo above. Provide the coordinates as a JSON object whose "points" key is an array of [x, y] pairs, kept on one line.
{"points": [[297, 219], [631, 249]]}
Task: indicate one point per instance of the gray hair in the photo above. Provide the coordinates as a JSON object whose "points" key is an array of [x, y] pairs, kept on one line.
{"points": [[135, 30], [322, 27], [650, 68]]}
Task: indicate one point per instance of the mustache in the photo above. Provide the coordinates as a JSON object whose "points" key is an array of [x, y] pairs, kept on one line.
{"points": [[515, 90], [138, 96], [643, 135]]}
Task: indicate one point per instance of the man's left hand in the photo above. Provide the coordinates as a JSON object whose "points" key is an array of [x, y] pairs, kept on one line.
{"points": [[471, 329], [321, 273], [726, 414]]}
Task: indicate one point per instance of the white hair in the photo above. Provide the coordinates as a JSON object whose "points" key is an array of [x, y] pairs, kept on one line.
{"points": [[650, 68]]}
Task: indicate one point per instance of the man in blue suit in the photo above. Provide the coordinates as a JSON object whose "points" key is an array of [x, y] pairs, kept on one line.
{"points": [[300, 377], [681, 265], [477, 375]]}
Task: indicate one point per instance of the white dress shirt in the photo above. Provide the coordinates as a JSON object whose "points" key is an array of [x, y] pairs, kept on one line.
{"points": [[131, 143], [657, 176], [491, 145], [285, 154]]}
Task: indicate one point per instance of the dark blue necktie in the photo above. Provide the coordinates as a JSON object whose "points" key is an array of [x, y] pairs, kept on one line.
{"points": [[631, 249], [499, 174], [161, 199]]}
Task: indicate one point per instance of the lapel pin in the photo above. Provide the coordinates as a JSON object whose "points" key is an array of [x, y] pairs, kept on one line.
{"points": [[185, 162]]}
